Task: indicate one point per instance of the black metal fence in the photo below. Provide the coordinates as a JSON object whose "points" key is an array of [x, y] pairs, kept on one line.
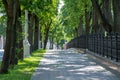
{"points": [[78, 42], [106, 45]]}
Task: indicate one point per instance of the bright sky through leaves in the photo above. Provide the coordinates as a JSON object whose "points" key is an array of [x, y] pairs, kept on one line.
{"points": [[60, 5]]}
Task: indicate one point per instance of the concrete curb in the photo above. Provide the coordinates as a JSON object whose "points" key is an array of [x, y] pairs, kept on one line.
{"points": [[104, 61]]}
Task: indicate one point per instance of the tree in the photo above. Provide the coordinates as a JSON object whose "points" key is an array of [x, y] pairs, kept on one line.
{"points": [[47, 16], [11, 8], [76, 17], [30, 29], [107, 26], [14, 37], [36, 33]]}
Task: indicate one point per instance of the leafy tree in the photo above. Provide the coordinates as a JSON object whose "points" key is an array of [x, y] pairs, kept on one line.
{"points": [[47, 16], [76, 17]]}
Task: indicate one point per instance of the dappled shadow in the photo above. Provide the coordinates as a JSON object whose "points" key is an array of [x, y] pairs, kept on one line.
{"points": [[70, 65]]}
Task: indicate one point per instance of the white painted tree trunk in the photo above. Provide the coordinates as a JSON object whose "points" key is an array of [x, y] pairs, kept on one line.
{"points": [[26, 43]]}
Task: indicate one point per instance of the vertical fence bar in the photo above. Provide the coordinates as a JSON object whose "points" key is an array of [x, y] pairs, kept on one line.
{"points": [[111, 46], [107, 45], [103, 45], [116, 36], [97, 43], [118, 46], [94, 42], [100, 43]]}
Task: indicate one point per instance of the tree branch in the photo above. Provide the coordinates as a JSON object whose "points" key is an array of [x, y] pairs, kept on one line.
{"points": [[105, 22]]}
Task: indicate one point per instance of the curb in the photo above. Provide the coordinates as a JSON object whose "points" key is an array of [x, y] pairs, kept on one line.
{"points": [[104, 61]]}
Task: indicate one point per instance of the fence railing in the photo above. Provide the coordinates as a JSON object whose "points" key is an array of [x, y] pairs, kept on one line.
{"points": [[105, 45]]}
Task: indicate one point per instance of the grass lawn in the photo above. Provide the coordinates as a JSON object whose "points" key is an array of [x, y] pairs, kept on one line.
{"points": [[25, 68]]}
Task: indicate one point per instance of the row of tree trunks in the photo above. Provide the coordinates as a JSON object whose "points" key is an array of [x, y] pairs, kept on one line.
{"points": [[109, 22], [33, 31], [14, 37]]}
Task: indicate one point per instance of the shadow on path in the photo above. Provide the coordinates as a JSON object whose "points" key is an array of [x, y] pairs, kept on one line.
{"points": [[70, 65]]}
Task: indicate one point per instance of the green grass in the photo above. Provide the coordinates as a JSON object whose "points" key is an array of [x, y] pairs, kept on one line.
{"points": [[25, 68]]}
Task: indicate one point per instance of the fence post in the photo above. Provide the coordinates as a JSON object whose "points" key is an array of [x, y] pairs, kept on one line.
{"points": [[92, 42], [100, 43], [96, 43], [86, 37], [116, 36], [111, 46], [107, 45], [103, 44]]}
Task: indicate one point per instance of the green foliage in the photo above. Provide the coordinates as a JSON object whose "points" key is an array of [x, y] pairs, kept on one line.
{"points": [[45, 10], [57, 32], [3, 25], [25, 68], [71, 14], [3, 19]]}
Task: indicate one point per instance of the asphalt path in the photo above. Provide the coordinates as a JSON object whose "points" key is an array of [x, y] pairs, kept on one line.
{"points": [[70, 65]]}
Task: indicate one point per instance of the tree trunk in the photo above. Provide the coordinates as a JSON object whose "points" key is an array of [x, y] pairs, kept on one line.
{"points": [[30, 30], [10, 8], [105, 22], [87, 20], [116, 8], [51, 43], [80, 27], [9, 57], [47, 28], [95, 18], [36, 33], [107, 10], [40, 37], [15, 22], [19, 37], [46, 37], [5, 62]]}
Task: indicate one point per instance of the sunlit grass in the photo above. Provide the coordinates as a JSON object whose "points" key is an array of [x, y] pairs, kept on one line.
{"points": [[25, 68]]}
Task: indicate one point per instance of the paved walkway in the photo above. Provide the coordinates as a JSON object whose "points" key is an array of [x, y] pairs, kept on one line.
{"points": [[70, 65]]}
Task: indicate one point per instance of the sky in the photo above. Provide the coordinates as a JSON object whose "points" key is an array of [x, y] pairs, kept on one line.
{"points": [[1, 14], [60, 6]]}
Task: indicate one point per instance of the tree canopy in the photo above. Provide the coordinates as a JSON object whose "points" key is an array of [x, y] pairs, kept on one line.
{"points": [[54, 21]]}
